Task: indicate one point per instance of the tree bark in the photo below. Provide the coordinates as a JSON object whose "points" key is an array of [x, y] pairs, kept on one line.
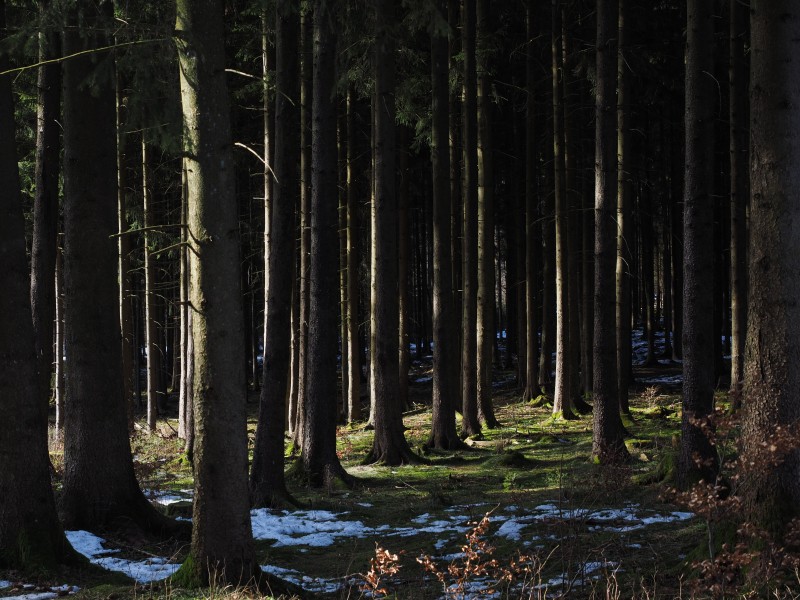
{"points": [[353, 353], [320, 462], [698, 459], [608, 445], [30, 534], [100, 488], [771, 377], [469, 384], [561, 394], [443, 425], [267, 482], [222, 545], [624, 221], [45, 207], [739, 178], [389, 444], [485, 310]]}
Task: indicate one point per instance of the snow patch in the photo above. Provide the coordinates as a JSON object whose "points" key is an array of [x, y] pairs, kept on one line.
{"points": [[310, 584], [143, 571]]}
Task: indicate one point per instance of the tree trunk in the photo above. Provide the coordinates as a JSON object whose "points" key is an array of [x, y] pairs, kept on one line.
{"points": [[403, 242], [772, 349], [739, 145], [320, 461], [469, 384], [30, 534], [306, 96], [624, 221], [60, 396], [443, 425], [485, 309], [100, 488], [267, 483], [222, 545], [561, 394], [530, 337], [608, 445], [353, 354], [154, 386], [698, 257], [45, 208], [184, 395], [389, 444]]}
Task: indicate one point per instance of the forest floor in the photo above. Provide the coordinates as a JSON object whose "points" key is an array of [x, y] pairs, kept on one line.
{"points": [[556, 524]]}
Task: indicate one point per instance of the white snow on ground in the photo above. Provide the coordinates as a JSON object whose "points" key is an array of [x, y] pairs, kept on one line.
{"points": [[167, 498], [310, 584], [53, 592], [304, 527], [320, 528], [143, 571], [665, 379]]}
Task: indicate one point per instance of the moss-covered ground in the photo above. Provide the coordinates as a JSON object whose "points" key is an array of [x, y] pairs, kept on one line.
{"points": [[530, 461]]}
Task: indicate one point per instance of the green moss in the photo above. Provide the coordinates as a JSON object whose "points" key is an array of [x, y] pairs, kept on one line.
{"points": [[188, 576]]}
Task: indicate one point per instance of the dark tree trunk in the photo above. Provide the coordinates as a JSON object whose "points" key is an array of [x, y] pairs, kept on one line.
{"points": [[30, 534], [624, 221], [698, 241], [443, 425], [608, 445], [389, 444], [403, 243], [45, 208], [772, 351], [485, 307], [739, 179], [100, 488], [267, 484], [320, 461], [353, 354], [531, 227]]}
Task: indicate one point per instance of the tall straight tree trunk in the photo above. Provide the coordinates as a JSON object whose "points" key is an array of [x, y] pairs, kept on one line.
{"points": [[344, 291], [485, 314], [698, 459], [561, 394], [676, 221], [443, 425], [184, 394], [353, 353], [30, 533], [469, 383], [60, 396], [320, 461], [222, 544], [531, 227], [306, 94], [267, 63], [267, 483], [772, 352], [739, 145], [608, 445], [389, 444], [624, 222], [45, 207], [403, 243], [100, 487], [126, 320], [151, 332]]}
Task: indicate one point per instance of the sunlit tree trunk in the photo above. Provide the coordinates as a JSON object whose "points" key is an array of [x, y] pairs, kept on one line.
{"points": [[469, 383], [353, 353]]}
